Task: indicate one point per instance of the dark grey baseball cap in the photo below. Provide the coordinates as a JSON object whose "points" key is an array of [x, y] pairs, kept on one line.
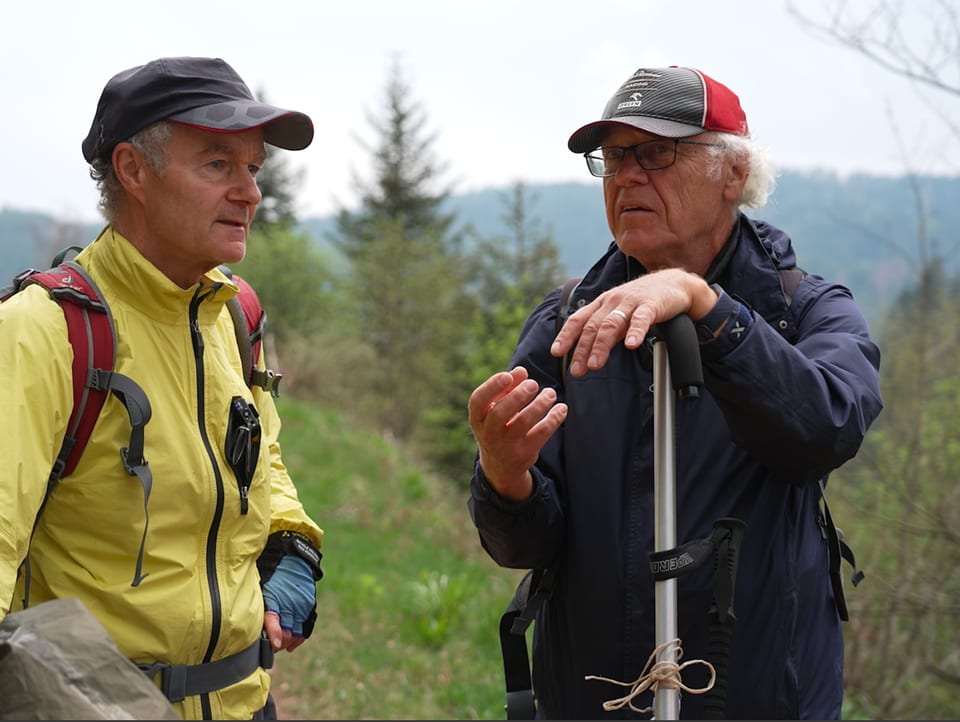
{"points": [[204, 93], [672, 102]]}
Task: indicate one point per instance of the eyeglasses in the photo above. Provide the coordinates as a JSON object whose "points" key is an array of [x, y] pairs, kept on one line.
{"points": [[651, 155]]}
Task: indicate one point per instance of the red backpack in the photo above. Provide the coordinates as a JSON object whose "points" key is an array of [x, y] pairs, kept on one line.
{"points": [[93, 337]]}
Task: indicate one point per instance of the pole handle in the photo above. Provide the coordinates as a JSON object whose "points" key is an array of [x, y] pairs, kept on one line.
{"points": [[683, 353]]}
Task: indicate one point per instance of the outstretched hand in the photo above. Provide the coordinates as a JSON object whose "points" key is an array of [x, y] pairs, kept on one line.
{"points": [[511, 419]]}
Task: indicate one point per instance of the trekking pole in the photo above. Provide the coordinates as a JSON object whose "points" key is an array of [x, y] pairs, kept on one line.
{"points": [[676, 367]]}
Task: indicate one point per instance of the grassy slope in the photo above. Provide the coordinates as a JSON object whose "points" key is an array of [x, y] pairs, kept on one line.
{"points": [[409, 605]]}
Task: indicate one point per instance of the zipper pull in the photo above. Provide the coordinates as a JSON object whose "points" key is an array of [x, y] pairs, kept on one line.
{"points": [[244, 503]]}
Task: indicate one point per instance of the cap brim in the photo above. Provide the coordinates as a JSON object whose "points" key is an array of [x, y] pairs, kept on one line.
{"points": [[286, 129], [591, 135]]}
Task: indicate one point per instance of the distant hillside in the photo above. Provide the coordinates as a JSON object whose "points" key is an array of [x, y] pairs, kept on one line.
{"points": [[30, 239], [862, 231]]}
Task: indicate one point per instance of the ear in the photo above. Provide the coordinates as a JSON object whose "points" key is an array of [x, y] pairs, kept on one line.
{"points": [[737, 173], [130, 168]]}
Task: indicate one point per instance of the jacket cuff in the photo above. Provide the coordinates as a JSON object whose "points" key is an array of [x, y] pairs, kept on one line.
{"points": [[284, 543], [483, 491], [724, 327]]}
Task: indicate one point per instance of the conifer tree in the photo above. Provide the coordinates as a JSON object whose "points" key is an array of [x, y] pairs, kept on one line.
{"points": [[406, 183], [406, 287], [524, 257]]}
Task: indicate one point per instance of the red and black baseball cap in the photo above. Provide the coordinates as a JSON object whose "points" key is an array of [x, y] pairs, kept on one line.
{"points": [[204, 93], [672, 102]]}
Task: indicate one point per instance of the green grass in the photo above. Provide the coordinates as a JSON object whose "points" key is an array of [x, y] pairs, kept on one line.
{"points": [[409, 606]]}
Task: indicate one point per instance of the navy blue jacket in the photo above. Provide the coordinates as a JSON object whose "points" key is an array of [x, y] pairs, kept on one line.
{"points": [[785, 402]]}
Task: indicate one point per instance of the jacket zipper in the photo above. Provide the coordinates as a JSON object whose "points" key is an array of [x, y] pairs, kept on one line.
{"points": [[211, 551]]}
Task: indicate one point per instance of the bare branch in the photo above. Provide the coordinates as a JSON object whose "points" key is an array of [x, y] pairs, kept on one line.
{"points": [[880, 34]]}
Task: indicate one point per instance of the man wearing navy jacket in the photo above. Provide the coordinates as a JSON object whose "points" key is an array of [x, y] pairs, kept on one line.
{"points": [[565, 467]]}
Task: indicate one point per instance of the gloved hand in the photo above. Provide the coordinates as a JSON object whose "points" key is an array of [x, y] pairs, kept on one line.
{"points": [[291, 594]]}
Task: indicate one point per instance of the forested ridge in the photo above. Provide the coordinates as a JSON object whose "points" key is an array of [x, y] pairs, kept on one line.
{"points": [[859, 230]]}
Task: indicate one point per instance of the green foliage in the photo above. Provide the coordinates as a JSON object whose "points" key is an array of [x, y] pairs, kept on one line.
{"points": [[899, 501], [292, 279], [407, 305], [436, 604], [406, 308], [409, 604], [510, 275], [405, 174], [522, 258]]}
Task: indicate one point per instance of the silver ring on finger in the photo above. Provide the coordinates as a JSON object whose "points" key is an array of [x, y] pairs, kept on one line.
{"points": [[621, 314]]}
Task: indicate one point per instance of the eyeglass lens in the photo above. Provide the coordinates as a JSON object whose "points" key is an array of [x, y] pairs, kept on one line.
{"points": [[650, 155]]}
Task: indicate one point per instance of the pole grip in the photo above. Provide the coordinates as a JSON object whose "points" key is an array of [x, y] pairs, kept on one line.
{"points": [[683, 353]]}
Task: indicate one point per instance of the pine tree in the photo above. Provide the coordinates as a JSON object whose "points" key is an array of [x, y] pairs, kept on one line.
{"points": [[404, 175], [524, 258], [406, 287]]}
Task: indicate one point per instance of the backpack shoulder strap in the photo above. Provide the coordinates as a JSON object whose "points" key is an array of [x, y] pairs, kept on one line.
{"points": [[838, 549], [91, 334], [566, 300], [532, 591], [564, 310], [249, 323], [789, 280], [837, 546]]}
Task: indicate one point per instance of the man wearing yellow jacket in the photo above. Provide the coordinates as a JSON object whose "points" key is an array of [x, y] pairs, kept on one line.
{"points": [[169, 568]]}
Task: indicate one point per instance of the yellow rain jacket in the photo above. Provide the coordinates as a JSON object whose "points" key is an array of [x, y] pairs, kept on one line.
{"points": [[200, 597]]}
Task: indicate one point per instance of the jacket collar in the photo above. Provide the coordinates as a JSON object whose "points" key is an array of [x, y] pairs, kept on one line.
{"points": [[123, 273]]}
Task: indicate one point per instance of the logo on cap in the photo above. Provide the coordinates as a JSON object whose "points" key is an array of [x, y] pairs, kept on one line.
{"points": [[634, 102]]}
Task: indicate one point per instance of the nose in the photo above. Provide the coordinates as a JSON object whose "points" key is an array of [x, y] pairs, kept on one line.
{"points": [[246, 190], [630, 171]]}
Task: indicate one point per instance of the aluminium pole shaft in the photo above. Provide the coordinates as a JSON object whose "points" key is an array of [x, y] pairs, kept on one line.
{"points": [[666, 701]]}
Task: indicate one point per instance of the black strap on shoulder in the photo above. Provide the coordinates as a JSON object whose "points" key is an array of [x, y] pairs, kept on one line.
{"points": [[138, 409], [838, 550], [563, 312], [534, 589], [837, 546], [566, 299], [249, 324]]}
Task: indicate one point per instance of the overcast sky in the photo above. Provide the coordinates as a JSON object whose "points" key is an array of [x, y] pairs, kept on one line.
{"points": [[503, 82]]}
